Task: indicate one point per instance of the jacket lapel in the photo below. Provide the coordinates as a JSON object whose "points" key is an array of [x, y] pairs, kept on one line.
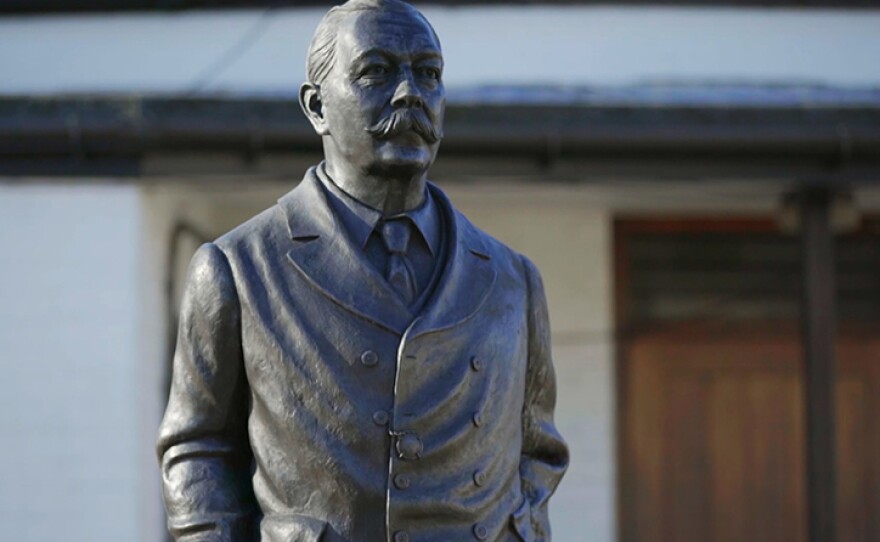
{"points": [[325, 255], [467, 279]]}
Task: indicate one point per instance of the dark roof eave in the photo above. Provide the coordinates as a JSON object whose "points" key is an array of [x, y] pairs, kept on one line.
{"points": [[137, 127]]}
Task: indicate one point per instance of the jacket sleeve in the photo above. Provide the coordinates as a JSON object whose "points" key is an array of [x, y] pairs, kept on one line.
{"points": [[544, 453], [203, 449]]}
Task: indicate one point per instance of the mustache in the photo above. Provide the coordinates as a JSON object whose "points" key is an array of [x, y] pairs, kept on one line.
{"points": [[404, 120]]}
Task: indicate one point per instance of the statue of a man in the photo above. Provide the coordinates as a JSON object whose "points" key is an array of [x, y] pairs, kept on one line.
{"points": [[359, 362]]}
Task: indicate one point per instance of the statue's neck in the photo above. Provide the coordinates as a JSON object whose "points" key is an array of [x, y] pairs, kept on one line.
{"points": [[391, 194]]}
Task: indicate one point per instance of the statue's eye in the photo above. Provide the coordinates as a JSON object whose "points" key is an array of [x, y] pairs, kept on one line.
{"points": [[430, 73], [377, 70]]}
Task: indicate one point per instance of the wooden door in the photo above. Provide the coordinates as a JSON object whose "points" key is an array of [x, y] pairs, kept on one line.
{"points": [[713, 436]]}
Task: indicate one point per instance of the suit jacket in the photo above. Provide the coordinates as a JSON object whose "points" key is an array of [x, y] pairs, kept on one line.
{"points": [[308, 403]]}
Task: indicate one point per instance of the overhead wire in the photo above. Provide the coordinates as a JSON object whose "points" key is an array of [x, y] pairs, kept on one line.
{"points": [[233, 53]]}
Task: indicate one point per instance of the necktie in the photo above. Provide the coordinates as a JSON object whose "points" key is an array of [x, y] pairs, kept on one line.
{"points": [[395, 234]]}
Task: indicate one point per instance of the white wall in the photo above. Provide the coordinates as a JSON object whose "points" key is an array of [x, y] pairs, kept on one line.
{"points": [[69, 379], [264, 51], [83, 336]]}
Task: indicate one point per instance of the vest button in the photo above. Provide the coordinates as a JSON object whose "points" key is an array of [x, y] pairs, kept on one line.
{"points": [[409, 446], [380, 417], [401, 481], [476, 363], [479, 478], [401, 536], [369, 358], [478, 419], [481, 532]]}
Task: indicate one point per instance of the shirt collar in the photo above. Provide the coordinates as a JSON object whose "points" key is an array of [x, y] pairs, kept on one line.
{"points": [[360, 219]]}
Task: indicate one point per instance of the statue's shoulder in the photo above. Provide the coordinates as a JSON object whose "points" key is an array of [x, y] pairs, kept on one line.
{"points": [[270, 230], [503, 257], [516, 267], [266, 228]]}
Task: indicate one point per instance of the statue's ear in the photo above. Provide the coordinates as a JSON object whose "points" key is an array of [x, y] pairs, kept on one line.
{"points": [[310, 101]]}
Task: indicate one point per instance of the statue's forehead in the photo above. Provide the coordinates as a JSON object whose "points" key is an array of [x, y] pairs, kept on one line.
{"points": [[401, 33]]}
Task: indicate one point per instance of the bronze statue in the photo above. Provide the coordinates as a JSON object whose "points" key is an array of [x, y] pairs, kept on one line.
{"points": [[360, 363]]}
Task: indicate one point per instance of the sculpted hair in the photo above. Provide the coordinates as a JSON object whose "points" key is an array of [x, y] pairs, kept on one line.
{"points": [[322, 49]]}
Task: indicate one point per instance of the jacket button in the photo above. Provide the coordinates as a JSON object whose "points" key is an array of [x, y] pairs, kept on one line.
{"points": [[369, 358], [479, 478], [478, 419], [380, 417], [409, 446], [401, 481], [481, 532], [476, 363], [401, 536]]}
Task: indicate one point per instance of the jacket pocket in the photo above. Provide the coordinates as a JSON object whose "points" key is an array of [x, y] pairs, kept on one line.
{"points": [[292, 528], [521, 521]]}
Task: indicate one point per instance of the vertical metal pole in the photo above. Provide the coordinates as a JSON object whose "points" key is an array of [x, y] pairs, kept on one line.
{"points": [[819, 326]]}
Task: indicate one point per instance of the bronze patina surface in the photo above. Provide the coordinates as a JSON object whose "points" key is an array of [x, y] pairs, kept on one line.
{"points": [[359, 362]]}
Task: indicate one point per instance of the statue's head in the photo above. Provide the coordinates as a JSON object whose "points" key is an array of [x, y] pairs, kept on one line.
{"points": [[375, 91]]}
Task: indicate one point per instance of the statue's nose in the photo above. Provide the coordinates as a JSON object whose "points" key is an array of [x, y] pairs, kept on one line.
{"points": [[406, 94]]}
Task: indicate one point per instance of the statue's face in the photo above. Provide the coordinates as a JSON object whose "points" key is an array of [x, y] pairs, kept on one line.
{"points": [[384, 100]]}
